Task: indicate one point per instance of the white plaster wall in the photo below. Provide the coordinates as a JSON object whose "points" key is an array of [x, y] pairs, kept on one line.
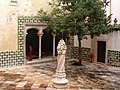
{"points": [[112, 40], [76, 44], [9, 20], [84, 43], [108, 9], [41, 4], [115, 10], [8, 34]]}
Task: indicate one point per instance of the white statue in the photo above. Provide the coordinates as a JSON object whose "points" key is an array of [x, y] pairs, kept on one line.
{"points": [[60, 80], [61, 49]]}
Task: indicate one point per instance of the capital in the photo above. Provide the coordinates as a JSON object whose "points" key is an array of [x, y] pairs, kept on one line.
{"points": [[40, 33], [53, 33], [26, 33]]}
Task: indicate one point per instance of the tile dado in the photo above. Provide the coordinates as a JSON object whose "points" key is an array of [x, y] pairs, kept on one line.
{"points": [[11, 58], [74, 50], [114, 57], [14, 58], [85, 53]]}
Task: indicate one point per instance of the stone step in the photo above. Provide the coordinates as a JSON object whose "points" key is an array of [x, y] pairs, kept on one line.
{"points": [[44, 60]]}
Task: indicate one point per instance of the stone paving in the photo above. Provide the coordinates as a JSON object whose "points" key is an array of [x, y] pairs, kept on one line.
{"points": [[39, 77]]}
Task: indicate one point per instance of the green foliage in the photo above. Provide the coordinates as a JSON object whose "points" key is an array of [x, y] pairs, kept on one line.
{"points": [[98, 22], [69, 16], [78, 17], [54, 19]]}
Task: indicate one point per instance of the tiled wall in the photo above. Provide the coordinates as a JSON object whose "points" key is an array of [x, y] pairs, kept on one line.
{"points": [[11, 58], [85, 52], [74, 51], [114, 58], [14, 58]]}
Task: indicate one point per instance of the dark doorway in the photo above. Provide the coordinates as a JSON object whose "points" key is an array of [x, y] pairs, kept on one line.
{"points": [[47, 43], [101, 51], [32, 39]]}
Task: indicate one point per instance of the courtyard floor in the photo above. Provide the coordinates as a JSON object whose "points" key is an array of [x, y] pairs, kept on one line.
{"points": [[89, 76]]}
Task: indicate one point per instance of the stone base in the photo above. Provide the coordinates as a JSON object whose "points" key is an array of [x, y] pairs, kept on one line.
{"points": [[60, 83]]}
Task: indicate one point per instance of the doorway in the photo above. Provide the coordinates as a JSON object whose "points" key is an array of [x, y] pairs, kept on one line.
{"points": [[101, 51], [46, 43], [32, 39]]}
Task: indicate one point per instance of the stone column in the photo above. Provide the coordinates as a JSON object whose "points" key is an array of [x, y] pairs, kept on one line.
{"points": [[25, 47], [53, 44], [40, 33]]}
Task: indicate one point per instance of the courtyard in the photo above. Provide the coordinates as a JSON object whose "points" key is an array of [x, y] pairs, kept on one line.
{"points": [[89, 76]]}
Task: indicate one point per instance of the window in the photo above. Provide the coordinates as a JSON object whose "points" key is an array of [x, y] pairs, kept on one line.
{"points": [[13, 2]]}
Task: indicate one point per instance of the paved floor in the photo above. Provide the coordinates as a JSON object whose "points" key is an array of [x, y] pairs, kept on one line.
{"points": [[39, 77]]}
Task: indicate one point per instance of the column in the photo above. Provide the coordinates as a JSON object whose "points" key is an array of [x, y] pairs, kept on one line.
{"points": [[40, 37], [25, 47], [53, 44]]}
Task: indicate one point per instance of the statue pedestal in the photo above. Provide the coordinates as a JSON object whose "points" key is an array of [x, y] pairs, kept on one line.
{"points": [[60, 83]]}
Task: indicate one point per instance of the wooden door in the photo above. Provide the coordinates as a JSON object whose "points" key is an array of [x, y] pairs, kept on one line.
{"points": [[101, 51]]}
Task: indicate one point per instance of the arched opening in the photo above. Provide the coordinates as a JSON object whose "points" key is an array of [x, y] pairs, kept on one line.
{"points": [[32, 39], [47, 43]]}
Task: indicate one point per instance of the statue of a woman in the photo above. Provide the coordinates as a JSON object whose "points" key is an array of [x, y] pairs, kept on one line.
{"points": [[60, 80], [61, 49]]}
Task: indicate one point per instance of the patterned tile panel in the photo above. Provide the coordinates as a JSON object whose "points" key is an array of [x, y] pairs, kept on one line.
{"points": [[74, 51], [114, 57], [14, 58]]}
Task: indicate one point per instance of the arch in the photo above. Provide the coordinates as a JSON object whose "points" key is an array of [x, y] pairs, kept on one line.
{"points": [[40, 30], [32, 39], [47, 43]]}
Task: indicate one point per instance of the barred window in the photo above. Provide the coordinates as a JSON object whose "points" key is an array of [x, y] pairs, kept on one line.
{"points": [[13, 2]]}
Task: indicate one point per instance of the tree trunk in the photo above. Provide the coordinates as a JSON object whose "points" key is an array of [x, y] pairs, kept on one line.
{"points": [[80, 51]]}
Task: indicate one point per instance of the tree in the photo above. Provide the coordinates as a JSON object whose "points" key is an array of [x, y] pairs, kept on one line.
{"points": [[77, 17], [98, 22]]}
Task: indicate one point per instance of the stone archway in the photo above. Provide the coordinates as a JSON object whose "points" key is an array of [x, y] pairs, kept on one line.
{"points": [[32, 39], [40, 28], [39, 33]]}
